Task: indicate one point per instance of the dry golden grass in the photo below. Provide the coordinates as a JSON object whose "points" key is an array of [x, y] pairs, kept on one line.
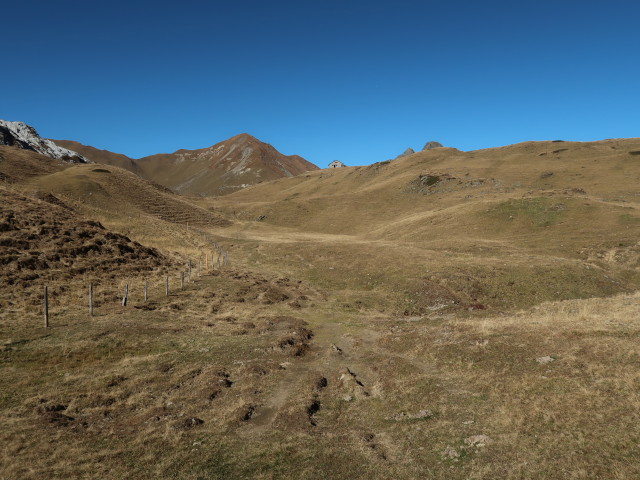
{"points": [[371, 395], [373, 325]]}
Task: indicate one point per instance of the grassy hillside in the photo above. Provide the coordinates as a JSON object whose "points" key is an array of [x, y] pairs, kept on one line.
{"points": [[96, 155], [17, 165], [127, 203], [446, 315], [503, 227]]}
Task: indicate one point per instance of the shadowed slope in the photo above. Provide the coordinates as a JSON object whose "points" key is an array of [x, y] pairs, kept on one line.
{"points": [[100, 156]]}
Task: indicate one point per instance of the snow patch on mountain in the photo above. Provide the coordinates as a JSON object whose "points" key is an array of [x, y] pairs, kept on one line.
{"points": [[24, 136]]}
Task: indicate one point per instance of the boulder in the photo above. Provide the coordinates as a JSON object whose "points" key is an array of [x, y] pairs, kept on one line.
{"points": [[431, 145], [408, 151]]}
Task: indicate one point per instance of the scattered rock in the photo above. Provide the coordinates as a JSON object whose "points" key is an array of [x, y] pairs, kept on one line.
{"points": [[450, 453], [349, 380], [478, 441], [545, 360], [398, 417], [248, 413], [476, 306]]}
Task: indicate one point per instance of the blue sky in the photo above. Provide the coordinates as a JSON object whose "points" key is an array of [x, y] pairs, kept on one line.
{"points": [[350, 80]]}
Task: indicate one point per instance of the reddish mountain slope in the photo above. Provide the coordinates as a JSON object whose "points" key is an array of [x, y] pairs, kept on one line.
{"points": [[222, 168]]}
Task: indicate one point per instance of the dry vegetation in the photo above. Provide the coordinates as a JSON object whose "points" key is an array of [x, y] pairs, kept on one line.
{"points": [[446, 315]]}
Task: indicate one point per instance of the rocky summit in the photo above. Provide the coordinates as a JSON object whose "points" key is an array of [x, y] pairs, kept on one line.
{"points": [[23, 136], [407, 152], [431, 145]]}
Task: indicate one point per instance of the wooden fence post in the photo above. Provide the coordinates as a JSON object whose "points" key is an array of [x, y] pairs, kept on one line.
{"points": [[90, 299], [46, 307], [189, 274], [198, 267], [145, 290], [181, 280], [126, 295], [166, 286]]}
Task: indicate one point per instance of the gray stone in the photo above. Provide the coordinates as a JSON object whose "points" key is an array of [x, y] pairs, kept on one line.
{"points": [[545, 360], [431, 145], [477, 441], [407, 152]]}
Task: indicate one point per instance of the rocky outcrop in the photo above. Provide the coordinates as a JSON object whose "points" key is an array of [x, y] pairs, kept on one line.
{"points": [[23, 136], [431, 145], [407, 152]]}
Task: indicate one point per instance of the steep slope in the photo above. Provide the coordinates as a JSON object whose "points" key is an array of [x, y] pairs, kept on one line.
{"points": [[44, 242], [23, 136], [100, 156], [222, 168]]}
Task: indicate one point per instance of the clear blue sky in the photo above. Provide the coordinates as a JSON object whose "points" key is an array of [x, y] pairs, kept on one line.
{"points": [[350, 80]]}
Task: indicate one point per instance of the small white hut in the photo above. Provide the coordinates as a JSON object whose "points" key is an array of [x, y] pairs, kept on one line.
{"points": [[336, 164]]}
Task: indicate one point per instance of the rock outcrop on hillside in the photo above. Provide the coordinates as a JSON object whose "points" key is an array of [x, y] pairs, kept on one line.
{"points": [[21, 135], [431, 145], [407, 152]]}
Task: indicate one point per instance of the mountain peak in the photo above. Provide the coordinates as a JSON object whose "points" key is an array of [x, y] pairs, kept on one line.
{"points": [[21, 135], [225, 167]]}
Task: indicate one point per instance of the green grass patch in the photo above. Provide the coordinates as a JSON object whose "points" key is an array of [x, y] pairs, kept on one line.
{"points": [[627, 219], [535, 212]]}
